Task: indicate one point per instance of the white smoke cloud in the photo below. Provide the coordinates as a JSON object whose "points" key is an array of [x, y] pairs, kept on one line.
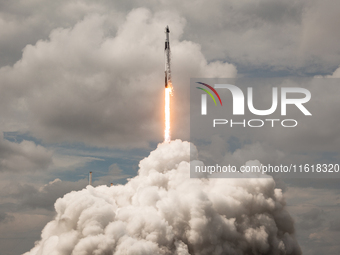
{"points": [[163, 211]]}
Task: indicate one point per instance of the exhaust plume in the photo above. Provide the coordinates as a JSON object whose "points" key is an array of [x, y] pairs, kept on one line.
{"points": [[168, 94], [163, 211]]}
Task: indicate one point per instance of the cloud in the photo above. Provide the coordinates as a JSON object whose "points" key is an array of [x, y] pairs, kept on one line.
{"points": [[23, 157], [311, 219], [163, 211], [68, 83], [26, 205], [63, 162], [334, 225], [262, 152], [29, 196], [314, 215], [264, 37], [291, 36], [19, 234], [114, 174], [5, 217], [75, 82], [335, 74], [85, 84], [26, 23]]}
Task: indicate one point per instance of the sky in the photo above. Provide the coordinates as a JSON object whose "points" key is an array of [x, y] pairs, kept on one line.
{"points": [[81, 89]]}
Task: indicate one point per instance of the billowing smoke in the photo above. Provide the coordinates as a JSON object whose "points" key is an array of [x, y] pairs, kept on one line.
{"points": [[163, 211]]}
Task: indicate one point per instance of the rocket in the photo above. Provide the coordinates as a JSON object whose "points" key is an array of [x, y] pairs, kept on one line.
{"points": [[167, 57]]}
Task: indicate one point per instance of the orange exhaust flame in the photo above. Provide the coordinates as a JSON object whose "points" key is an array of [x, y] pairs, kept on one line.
{"points": [[168, 93]]}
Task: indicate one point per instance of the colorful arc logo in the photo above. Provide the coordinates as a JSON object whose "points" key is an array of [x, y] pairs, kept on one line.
{"points": [[208, 92]]}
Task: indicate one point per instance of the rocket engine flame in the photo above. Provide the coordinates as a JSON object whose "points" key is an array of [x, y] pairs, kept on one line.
{"points": [[168, 94]]}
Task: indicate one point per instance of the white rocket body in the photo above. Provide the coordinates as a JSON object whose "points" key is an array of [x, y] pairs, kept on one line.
{"points": [[167, 57]]}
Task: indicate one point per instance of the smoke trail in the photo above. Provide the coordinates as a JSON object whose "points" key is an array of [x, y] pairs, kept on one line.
{"points": [[163, 211]]}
